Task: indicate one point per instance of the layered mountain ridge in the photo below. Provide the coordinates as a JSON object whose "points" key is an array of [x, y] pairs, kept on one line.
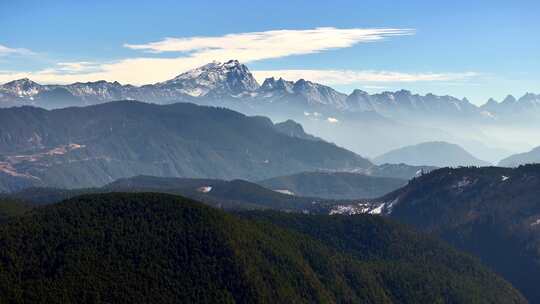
{"points": [[216, 81], [94, 145]]}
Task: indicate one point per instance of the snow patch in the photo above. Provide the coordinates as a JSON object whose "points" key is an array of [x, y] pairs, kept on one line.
{"points": [[284, 191], [204, 189], [362, 208], [464, 183], [390, 205], [377, 210], [348, 209]]}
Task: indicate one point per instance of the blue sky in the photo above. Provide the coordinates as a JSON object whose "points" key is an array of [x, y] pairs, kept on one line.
{"points": [[473, 49]]}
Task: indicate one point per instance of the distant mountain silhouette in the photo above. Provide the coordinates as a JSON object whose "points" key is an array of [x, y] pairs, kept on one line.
{"points": [[531, 157], [439, 154], [334, 185]]}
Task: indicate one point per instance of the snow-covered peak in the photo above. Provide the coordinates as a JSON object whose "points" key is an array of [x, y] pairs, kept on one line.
{"points": [[22, 87], [22, 81], [358, 93], [99, 90], [271, 84], [230, 78], [318, 94]]}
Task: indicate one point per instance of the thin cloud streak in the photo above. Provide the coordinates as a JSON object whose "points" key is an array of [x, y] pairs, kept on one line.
{"points": [[5, 51], [269, 44], [345, 77], [245, 47], [196, 51]]}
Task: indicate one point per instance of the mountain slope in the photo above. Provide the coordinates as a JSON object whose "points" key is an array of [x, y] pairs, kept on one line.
{"points": [[137, 248], [334, 185], [493, 213], [531, 157], [403, 255], [92, 146], [439, 154], [293, 129], [400, 171]]}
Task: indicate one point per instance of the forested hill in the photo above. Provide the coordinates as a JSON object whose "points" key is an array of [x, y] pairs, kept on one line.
{"points": [[147, 247], [493, 213]]}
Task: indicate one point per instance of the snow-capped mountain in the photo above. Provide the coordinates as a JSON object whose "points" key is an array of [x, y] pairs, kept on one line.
{"points": [[404, 103], [19, 92], [25, 91], [22, 88], [232, 84], [317, 94], [272, 88], [214, 80], [300, 93], [99, 90]]}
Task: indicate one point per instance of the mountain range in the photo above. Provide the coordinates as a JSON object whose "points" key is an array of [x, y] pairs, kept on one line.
{"points": [[216, 82], [388, 120]]}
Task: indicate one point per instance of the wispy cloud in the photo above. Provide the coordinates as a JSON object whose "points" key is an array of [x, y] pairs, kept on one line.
{"points": [[246, 47], [77, 67], [195, 51], [5, 51], [345, 77], [269, 44]]}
